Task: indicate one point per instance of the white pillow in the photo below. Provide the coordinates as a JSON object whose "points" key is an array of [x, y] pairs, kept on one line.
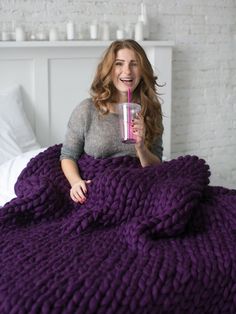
{"points": [[16, 134], [10, 171]]}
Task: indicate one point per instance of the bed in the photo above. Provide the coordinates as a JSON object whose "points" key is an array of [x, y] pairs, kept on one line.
{"points": [[148, 240]]}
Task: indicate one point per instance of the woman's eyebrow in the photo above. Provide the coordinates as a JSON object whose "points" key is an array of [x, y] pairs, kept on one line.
{"points": [[133, 60]]}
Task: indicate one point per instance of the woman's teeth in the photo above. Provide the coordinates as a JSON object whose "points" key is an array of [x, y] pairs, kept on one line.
{"points": [[127, 81]]}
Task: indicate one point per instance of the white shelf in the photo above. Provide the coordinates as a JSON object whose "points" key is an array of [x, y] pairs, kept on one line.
{"points": [[77, 43]]}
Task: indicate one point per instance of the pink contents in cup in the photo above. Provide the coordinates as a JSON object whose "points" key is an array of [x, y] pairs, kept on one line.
{"points": [[127, 112]]}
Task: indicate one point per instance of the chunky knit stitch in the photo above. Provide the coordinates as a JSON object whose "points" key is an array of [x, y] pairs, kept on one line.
{"points": [[147, 241]]}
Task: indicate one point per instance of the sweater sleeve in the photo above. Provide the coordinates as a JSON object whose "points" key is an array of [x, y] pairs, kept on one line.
{"points": [[73, 145]]}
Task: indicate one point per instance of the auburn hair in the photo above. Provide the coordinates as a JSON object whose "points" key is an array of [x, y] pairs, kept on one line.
{"points": [[103, 91]]}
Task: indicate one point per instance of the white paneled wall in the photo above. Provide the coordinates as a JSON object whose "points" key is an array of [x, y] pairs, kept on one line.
{"points": [[204, 64]]}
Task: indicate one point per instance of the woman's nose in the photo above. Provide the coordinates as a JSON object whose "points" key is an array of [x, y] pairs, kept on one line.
{"points": [[127, 68]]}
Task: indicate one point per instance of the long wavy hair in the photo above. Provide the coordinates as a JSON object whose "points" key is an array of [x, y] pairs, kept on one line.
{"points": [[103, 91]]}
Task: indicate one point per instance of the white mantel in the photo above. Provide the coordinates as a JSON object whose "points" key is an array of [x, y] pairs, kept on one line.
{"points": [[79, 43], [55, 76]]}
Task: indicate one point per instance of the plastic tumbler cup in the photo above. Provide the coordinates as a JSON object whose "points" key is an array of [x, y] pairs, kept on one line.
{"points": [[127, 112]]}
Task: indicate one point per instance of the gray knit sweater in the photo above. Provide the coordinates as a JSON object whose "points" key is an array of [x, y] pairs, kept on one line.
{"points": [[97, 135]]}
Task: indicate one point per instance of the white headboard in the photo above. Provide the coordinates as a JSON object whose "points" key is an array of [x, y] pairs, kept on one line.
{"points": [[55, 76]]}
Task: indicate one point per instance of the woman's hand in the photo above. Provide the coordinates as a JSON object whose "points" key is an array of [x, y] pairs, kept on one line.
{"points": [[145, 156], [79, 190], [138, 128]]}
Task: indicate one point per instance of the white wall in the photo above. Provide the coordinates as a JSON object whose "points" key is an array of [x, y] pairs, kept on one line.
{"points": [[204, 64]]}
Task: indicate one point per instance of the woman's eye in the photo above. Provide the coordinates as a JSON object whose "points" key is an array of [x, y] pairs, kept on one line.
{"points": [[118, 63]]}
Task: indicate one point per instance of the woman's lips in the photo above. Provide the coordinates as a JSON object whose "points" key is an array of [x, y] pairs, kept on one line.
{"points": [[127, 82]]}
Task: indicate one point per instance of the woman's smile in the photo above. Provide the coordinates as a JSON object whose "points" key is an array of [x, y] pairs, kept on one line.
{"points": [[127, 81]]}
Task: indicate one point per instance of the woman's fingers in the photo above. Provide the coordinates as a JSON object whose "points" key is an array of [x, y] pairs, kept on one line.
{"points": [[138, 127], [83, 189], [75, 195], [139, 130], [79, 190]]}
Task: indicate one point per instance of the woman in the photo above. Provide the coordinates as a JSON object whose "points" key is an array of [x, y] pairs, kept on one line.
{"points": [[93, 126]]}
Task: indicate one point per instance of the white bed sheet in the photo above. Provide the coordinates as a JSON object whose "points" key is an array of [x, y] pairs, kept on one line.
{"points": [[10, 171]]}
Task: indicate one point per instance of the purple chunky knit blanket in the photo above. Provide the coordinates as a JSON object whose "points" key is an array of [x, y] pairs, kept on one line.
{"points": [[147, 241]]}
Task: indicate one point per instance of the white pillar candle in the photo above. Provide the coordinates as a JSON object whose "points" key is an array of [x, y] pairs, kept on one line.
{"points": [[138, 32], [119, 34], [93, 31], [6, 36], [144, 19], [53, 34], [20, 34], [6, 32], [70, 30]]}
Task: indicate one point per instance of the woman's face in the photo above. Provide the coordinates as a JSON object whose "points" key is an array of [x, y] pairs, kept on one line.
{"points": [[126, 72]]}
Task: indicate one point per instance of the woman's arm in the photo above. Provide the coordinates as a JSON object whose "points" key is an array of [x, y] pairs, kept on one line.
{"points": [[146, 157], [78, 185], [73, 147]]}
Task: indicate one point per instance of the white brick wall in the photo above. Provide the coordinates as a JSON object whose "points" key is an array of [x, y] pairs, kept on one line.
{"points": [[204, 64]]}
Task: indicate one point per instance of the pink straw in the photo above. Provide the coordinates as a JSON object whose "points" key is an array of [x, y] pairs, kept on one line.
{"points": [[129, 95], [129, 113]]}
